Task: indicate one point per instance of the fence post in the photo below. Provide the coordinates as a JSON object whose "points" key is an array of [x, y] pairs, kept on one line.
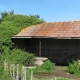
{"points": [[25, 73], [23, 77], [17, 73], [52, 79], [13, 71], [31, 75], [55, 78], [5, 65]]}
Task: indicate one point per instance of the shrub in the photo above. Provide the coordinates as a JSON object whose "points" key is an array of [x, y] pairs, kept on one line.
{"points": [[48, 66], [17, 56], [74, 67]]}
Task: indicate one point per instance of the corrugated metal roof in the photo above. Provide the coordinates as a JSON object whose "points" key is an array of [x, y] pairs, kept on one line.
{"points": [[52, 29]]}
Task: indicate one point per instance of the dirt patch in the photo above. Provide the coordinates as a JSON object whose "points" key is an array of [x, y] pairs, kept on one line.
{"points": [[61, 71]]}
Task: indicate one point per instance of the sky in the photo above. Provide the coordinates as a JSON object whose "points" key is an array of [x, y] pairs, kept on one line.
{"points": [[49, 10]]}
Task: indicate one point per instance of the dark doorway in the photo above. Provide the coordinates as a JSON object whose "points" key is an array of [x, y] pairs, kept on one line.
{"points": [[57, 50]]}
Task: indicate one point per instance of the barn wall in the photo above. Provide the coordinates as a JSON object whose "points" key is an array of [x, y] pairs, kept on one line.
{"points": [[32, 46], [57, 50], [79, 48], [19, 43], [60, 50]]}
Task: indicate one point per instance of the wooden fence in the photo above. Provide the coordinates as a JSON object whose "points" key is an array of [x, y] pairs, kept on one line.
{"points": [[20, 74], [15, 71]]}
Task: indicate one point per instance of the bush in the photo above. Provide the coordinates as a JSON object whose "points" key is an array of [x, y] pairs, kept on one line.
{"points": [[74, 68], [48, 66], [19, 57]]}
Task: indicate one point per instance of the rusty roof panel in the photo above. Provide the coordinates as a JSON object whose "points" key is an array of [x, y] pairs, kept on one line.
{"points": [[52, 29]]}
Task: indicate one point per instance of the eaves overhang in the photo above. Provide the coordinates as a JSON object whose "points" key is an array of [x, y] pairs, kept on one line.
{"points": [[45, 37]]}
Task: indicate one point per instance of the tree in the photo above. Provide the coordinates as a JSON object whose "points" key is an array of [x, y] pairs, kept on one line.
{"points": [[11, 12], [11, 25], [4, 14], [37, 16]]}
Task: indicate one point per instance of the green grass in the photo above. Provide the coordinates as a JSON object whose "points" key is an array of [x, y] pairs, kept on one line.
{"points": [[52, 79], [64, 79], [42, 79]]}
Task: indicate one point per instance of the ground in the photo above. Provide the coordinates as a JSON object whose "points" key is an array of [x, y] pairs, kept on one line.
{"points": [[61, 71]]}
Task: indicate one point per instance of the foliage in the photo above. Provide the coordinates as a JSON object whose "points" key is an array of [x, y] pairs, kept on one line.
{"points": [[11, 25], [5, 76], [4, 14], [25, 58], [48, 66], [18, 56], [28, 72], [74, 68]]}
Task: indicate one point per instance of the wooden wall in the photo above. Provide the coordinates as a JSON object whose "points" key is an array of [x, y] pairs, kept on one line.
{"points": [[57, 50]]}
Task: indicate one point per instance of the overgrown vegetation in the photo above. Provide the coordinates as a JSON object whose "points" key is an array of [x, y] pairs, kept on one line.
{"points": [[11, 24], [74, 68], [46, 67], [5, 76], [17, 56]]}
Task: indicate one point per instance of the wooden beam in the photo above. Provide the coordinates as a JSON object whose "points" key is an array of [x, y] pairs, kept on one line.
{"points": [[40, 47]]}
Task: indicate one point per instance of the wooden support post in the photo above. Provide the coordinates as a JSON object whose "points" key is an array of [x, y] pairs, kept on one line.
{"points": [[39, 47]]}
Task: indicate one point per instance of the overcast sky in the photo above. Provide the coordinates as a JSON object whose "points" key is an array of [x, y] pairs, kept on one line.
{"points": [[49, 10]]}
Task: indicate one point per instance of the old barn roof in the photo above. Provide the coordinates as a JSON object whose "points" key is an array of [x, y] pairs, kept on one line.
{"points": [[52, 29]]}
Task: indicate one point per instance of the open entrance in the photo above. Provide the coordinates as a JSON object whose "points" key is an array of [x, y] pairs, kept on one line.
{"points": [[60, 51]]}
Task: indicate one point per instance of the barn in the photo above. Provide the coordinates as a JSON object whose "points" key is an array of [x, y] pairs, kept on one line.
{"points": [[59, 41]]}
